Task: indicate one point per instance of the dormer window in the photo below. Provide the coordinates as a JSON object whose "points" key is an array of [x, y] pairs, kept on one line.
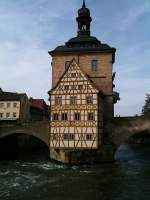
{"points": [[94, 65]]}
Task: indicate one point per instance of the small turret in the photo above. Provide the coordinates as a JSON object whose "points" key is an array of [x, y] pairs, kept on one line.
{"points": [[84, 19]]}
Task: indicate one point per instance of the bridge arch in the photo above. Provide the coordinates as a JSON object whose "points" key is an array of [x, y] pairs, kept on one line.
{"points": [[142, 137], [26, 132], [127, 127]]}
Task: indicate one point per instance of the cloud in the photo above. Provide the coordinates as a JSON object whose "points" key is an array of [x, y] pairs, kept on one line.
{"points": [[25, 29], [29, 28], [129, 18]]}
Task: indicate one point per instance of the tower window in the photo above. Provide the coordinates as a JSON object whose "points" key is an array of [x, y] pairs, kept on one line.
{"points": [[73, 100], [77, 116], [64, 116], [89, 100], [91, 116], [94, 65], [67, 63], [55, 116], [58, 100]]}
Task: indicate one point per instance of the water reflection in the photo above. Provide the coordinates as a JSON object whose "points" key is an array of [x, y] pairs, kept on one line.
{"points": [[128, 178]]}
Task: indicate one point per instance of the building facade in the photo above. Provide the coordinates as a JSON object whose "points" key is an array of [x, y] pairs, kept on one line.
{"points": [[13, 106], [76, 111], [85, 56], [39, 110]]}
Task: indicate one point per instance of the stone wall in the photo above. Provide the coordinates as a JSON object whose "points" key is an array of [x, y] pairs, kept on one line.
{"points": [[125, 127], [102, 77]]}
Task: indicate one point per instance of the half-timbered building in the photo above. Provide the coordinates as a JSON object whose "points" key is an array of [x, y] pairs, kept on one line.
{"points": [[76, 111]]}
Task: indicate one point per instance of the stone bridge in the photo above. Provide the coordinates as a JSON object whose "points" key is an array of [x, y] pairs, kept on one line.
{"points": [[126, 127], [38, 129], [123, 129]]}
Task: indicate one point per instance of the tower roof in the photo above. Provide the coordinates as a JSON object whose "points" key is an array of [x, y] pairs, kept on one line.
{"points": [[83, 42]]}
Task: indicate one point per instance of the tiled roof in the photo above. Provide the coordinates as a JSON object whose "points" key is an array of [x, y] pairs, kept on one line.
{"points": [[8, 96], [38, 103]]}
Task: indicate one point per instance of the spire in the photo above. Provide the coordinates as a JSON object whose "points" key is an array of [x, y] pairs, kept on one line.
{"points": [[83, 6]]}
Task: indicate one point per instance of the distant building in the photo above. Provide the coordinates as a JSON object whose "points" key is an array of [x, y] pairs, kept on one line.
{"points": [[39, 110], [14, 106]]}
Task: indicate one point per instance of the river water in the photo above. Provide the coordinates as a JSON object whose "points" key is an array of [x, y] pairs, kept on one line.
{"points": [[126, 179]]}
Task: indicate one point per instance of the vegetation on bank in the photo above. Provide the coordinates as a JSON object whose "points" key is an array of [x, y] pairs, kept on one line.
{"points": [[146, 107]]}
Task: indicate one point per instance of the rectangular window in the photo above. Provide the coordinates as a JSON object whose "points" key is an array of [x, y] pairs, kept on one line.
{"points": [[1, 115], [80, 87], [89, 137], [67, 63], [94, 65], [7, 115], [91, 116], [8, 105], [58, 100], [66, 87], [73, 100], [1, 105], [77, 116], [15, 105], [14, 114], [68, 136], [55, 116], [89, 99], [64, 116]]}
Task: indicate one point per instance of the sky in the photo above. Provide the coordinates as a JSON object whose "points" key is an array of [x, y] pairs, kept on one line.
{"points": [[30, 28]]}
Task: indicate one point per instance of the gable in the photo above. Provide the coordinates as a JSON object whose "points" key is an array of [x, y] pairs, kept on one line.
{"points": [[74, 80]]}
